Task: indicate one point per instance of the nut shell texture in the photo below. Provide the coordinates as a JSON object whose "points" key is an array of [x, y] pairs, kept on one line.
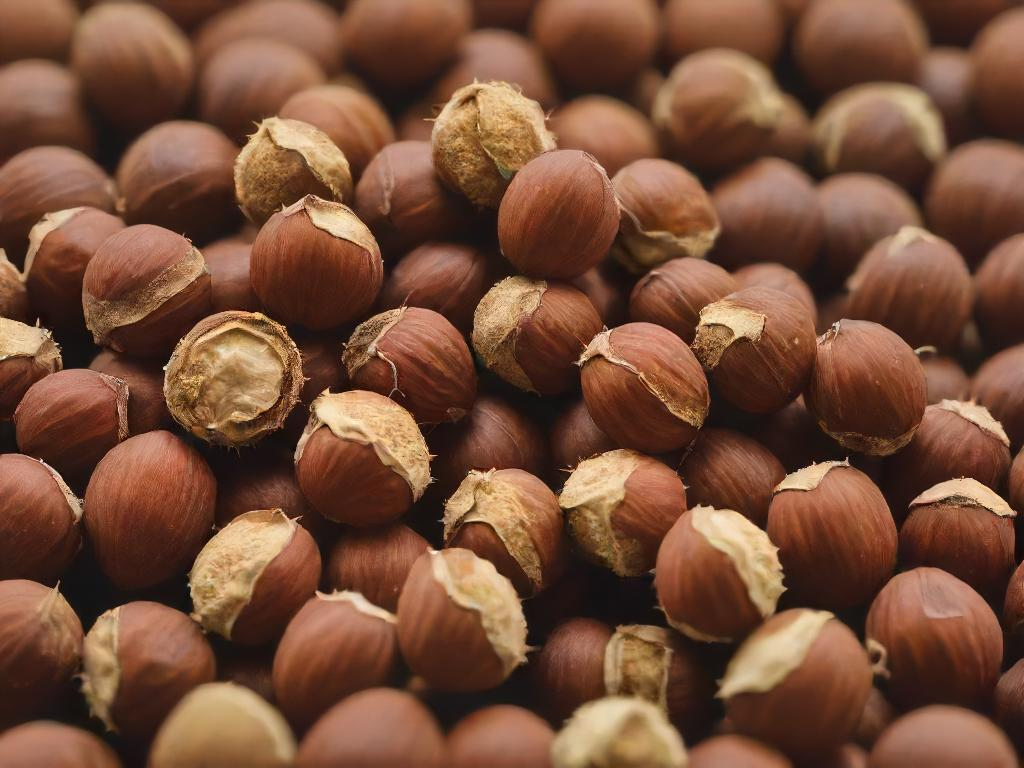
{"points": [[942, 737], [27, 354], [673, 294], [44, 742]]}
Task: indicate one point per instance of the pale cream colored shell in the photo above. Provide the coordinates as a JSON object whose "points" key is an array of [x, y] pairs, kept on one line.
{"points": [[358, 603], [226, 570], [382, 424], [223, 724], [808, 478], [101, 667], [619, 732], [637, 661], [483, 136], [491, 596], [20, 340], [496, 323], [765, 660], [722, 324], [965, 492]]}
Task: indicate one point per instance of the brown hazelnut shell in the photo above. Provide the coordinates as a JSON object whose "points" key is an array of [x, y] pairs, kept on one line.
{"points": [[37, 30], [995, 95], [947, 380], [44, 742], [559, 216], [1016, 482], [1009, 703], [500, 736], [942, 736], [754, 27], [729, 470], [139, 660], [416, 357], [147, 409], [149, 479], [673, 294], [835, 534], [573, 438], [947, 77], [999, 386], [27, 354], [644, 388], [608, 290], [935, 639], [228, 261], [13, 293], [769, 274], [337, 644], [568, 670], [374, 562], [999, 287], [615, 133]]}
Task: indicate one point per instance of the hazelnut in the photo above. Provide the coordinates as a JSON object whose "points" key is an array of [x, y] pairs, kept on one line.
{"points": [[27, 354], [1017, 482], [935, 640], [733, 749], [375, 562], [890, 129], [717, 575], [361, 460], [223, 724], [13, 293], [614, 132], [309, 26], [974, 198], [956, 439], [904, 279], [999, 284], [867, 390], [448, 278], [619, 505], [947, 379], [644, 388], [337, 644], [248, 80], [233, 378], [839, 43], [43, 650], [858, 210], [576, 36], [1009, 703], [608, 288], [147, 409], [878, 714], [135, 64], [39, 180], [718, 109], [673, 294], [483, 136], [427, 34], [995, 56], [942, 735], [416, 356], [36, 29], [666, 214], [772, 687], [139, 660], [485, 55], [754, 27], [41, 516], [793, 435], [575, 437], [531, 332], [964, 528], [178, 175], [70, 420], [379, 727], [559, 216], [228, 262], [758, 345], [569, 670], [1013, 605], [253, 576], [791, 139], [835, 534], [354, 121], [947, 77], [618, 730], [769, 211], [500, 735], [403, 202], [769, 274], [45, 742], [284, 161], [316, 264], [999, 386], [512, 14], [460, 623], [148, 509], [729, 470], [144, 287], [190, 13], [511, 518], [43, 105], [60, 247], [247, 666]]}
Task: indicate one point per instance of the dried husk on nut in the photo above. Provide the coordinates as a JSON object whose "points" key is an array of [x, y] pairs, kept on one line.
{"points": [[13, 295], [496, 324], [284, 161], [483, 135], [233, 378], [618, 506], [618, 731], [223, 724], [27, 354], [521, 513]]}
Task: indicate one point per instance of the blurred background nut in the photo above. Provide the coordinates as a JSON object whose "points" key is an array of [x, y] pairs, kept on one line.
{"points": [[999, 288], [936, 734], [754, 27], [995, 56], [947, 77], [500, 735], [769, 274], [44, 741], [37, 30], [612, 131]]}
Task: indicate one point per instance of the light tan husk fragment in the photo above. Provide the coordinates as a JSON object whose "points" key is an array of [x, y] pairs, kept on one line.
{"points": [[49, 223], [808, 478], [362, 346], [20, 340], [640, 250], [337, 220], [376, 421], [723, 324], [637, 661], [358, 603], [979, 416], [964, 492], [496, 324], [101, 667]]}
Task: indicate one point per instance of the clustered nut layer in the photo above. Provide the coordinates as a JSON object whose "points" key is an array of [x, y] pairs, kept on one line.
{"points": [[511, 383]]}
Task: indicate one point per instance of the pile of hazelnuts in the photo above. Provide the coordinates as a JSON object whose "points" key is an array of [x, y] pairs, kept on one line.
{"points": [[511, 383]]}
